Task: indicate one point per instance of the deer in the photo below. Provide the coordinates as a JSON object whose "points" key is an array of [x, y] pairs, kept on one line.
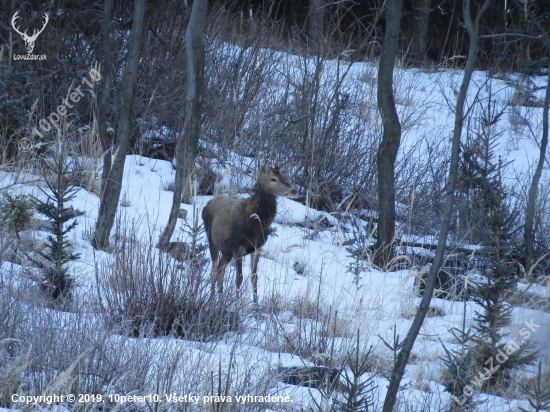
{"points": [[239, 227], [29, 40]]}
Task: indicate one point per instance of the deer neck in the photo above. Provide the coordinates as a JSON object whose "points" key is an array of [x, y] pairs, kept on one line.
{"points": [[263, 204]]}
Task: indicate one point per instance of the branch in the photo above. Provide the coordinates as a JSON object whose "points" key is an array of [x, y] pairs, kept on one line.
{"points": [[519, 35], [534, 20]]}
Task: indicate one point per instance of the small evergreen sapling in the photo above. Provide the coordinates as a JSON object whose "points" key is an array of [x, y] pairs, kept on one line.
{"points": [[16, 213], [502, 225], [57, 283], [358, 247], [539, 397], [460, 371], [356, 387], [487, 357]]}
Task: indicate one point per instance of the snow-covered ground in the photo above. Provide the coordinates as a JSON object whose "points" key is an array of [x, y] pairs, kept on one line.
{"points": [[304, 262]]}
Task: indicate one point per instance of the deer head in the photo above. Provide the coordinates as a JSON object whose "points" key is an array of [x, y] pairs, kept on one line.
{"points": [[272, 180], [29, 40]]}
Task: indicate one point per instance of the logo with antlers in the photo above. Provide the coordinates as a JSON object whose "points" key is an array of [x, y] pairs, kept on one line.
{"points": [[29, 40]]}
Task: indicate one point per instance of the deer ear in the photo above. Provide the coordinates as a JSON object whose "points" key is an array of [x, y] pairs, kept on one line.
{"points": [[283, 168], [265, 168]]}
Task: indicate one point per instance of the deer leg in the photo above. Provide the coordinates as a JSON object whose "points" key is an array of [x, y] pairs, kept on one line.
{"points": [[239, 271], [215, 256], [214, 273], [254, 274], [220, 272]]}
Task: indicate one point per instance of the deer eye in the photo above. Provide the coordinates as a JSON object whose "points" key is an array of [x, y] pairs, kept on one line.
{"points": [[273, 179]]}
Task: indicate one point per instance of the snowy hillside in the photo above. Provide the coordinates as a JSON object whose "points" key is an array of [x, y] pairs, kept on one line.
{"points": [[313, 308]]}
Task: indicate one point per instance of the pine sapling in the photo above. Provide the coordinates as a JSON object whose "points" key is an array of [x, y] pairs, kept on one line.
{"points": [[539, 398], [357, 388], [57, 283]]}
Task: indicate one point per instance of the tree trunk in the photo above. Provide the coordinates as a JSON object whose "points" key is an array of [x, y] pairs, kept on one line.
{"points": [[419, 29], [408, 342], [387, 151], [528, 235], [105, 93], [188, 141], [111, 191], [316, 22]]}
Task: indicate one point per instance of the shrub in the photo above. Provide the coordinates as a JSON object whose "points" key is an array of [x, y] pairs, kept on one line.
{"points": [[16, 213], [145, 292]]}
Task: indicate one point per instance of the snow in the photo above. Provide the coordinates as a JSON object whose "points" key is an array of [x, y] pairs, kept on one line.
{"points": [[372, 304]]}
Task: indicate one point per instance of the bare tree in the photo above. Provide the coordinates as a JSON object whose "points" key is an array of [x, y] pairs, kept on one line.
{"points": [[529, 228], [105, 92], [419, 29], [387, 150], [316, 21], [402, 359], [111, 191], [188, 141]]}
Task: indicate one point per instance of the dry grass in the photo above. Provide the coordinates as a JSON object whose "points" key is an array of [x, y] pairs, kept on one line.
{"points": [[139, 292], [145, 292]]}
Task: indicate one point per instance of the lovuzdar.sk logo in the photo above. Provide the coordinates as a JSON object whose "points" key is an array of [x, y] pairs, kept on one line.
{"points": [[29, 40]]}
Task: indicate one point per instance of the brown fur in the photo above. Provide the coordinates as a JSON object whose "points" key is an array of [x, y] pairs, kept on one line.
{"points": [[238, 227]]}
